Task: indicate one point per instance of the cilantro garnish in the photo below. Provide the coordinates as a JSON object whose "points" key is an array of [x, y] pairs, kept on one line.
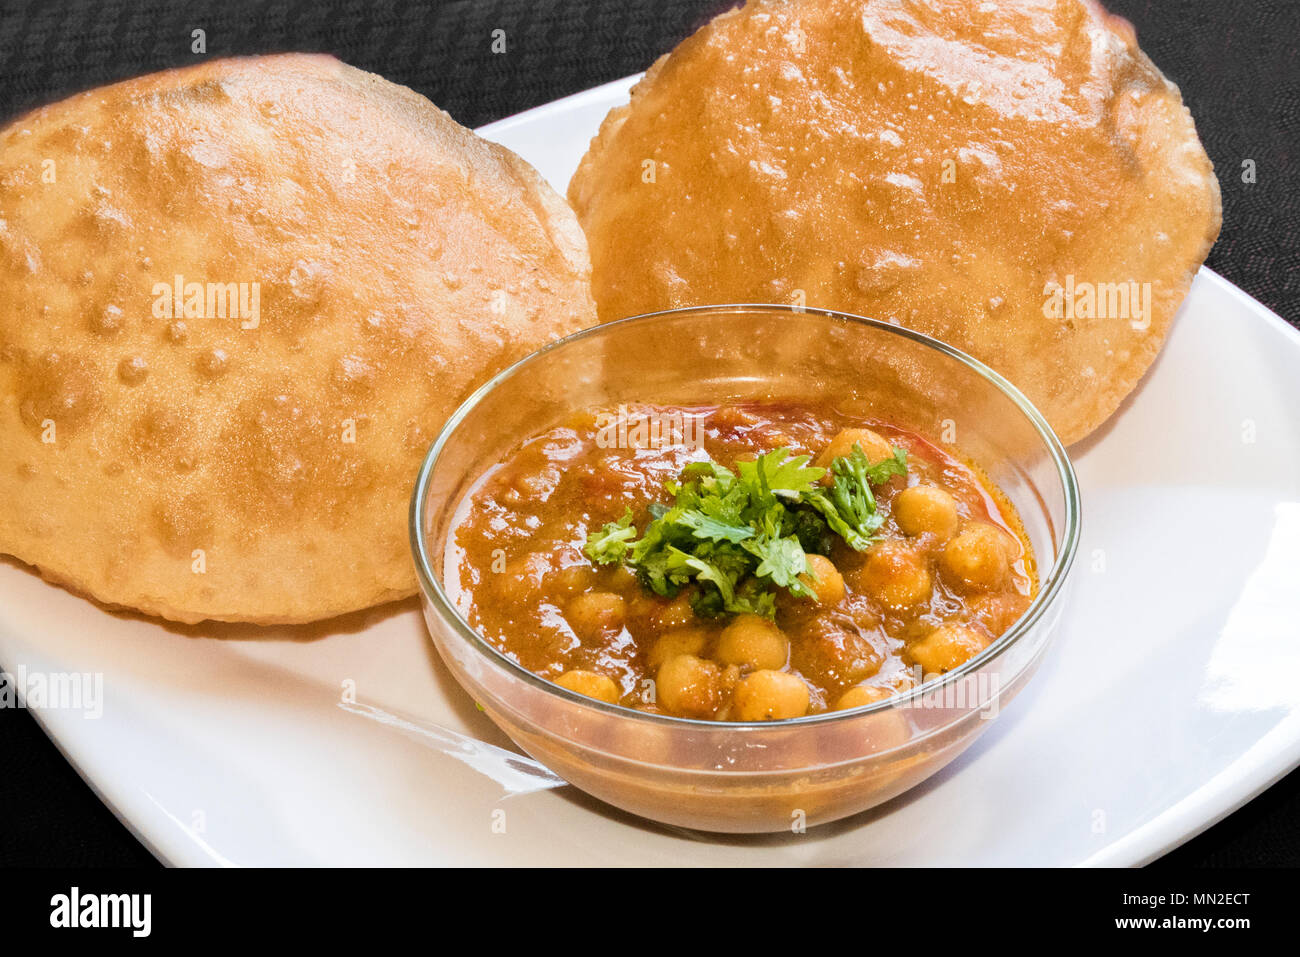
{"points": [[741, 535], [849, 506], [610, 543]]}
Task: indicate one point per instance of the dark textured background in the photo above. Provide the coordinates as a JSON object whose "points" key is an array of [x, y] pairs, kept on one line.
{"points": [[1235, 62]]}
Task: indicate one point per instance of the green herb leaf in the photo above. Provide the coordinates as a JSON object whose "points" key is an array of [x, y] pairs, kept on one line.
{"points": [[879, 473], [609, 545], [814, 534], [849, 506], [782, 560], [738, 537], [714, 529], [771, 475]]}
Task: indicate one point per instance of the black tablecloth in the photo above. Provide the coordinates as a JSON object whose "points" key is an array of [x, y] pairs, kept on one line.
{"points": [[1235, 62]]}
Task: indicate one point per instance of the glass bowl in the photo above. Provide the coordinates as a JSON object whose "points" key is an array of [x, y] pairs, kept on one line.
{"points": [[777, 775]]}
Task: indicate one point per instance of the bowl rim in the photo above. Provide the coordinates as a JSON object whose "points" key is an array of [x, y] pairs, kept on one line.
{"points": [[1050, 587]]}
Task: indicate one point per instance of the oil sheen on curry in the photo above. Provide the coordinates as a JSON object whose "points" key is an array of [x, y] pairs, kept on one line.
{"points": [[745, 562]]}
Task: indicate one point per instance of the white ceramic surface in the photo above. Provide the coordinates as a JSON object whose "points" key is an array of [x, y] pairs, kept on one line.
{"points": [[1168, 698]]}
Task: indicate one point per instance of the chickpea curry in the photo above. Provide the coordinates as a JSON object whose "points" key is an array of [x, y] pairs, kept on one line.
{"points": [[746, 562]]}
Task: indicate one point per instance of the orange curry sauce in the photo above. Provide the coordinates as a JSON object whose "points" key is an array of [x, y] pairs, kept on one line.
{"points": [[948, 571]]}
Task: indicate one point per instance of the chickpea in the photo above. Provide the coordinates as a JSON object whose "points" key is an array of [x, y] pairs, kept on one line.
{"points": [[946, 647], [978, 559], [730, 677], [733, 416], [824, 580], [861, 695], [643, 607], [754, 641], [727, 683], [591, 684], [873, 445], [689, 686], [926, 508], [570, 580], [596, 613], [529, 571], [895, 575], [678, 641], [997, 613], [677, 612], [770, 695], [621, 577], [885, 731], [641, 741]]}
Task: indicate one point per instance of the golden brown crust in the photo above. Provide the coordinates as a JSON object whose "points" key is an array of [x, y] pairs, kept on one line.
{"points": [[935, 164], [195, 466]]}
